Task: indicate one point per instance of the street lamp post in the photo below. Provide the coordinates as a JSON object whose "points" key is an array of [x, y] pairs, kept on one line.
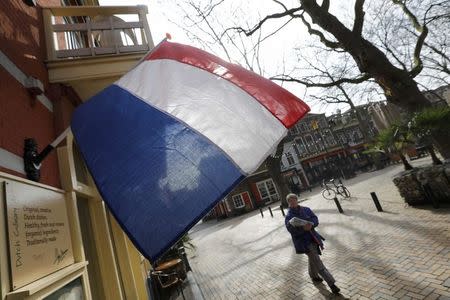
{"points": [[315, 126], [344, 146]]}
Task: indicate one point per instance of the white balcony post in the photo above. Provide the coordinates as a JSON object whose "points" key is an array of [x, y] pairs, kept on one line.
{"points": [[143, 17], [49, 40]]}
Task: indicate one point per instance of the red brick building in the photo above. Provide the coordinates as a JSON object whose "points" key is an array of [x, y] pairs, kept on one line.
{"points": [[50, 63]]}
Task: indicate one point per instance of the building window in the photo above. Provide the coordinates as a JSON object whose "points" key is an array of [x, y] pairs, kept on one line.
{"points": [[267, 191], [302, 127], [290, 159], [319, 141], [310, 143], [329, 138], [342, 138], [301, 147], [238, 201], [293, 130]]}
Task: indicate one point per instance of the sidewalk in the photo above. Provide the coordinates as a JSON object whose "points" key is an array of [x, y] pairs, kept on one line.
{"points": [[402, 253], [191, 289]]}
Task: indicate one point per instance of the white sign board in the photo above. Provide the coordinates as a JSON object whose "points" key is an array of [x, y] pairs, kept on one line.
{"points": [[39, 234]]}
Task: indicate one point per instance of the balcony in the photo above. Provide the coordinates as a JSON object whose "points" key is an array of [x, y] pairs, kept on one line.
{"points": [[90, 47]]}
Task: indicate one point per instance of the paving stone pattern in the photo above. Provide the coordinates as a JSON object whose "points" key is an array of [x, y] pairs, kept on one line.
{"points": [[402, 253]]}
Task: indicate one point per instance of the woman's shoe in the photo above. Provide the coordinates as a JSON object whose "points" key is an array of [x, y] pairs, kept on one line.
{"points": [[335, 289]]}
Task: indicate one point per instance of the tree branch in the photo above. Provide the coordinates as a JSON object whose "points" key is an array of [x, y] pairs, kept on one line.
{"points": [[211, 28], [282, 5], [328, 99], [326, 5], [359, 17], [423, 29], [307, 83], [249, 32], [323, 39]]}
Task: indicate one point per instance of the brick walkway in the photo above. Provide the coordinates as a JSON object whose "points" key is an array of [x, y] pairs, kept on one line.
{"points": [[403, 253]]}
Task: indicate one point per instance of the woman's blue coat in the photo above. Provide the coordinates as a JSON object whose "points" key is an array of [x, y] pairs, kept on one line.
{"points": [[300, 237]]}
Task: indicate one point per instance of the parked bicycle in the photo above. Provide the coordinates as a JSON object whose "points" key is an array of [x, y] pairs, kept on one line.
{"points": [[331, 190]]}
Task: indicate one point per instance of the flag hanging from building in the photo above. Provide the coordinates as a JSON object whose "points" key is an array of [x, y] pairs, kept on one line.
{"points": [[173, 136]]}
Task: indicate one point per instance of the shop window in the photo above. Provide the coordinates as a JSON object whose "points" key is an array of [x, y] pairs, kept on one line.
{"points": [[238, 201], [267, 191], [72, 290]]}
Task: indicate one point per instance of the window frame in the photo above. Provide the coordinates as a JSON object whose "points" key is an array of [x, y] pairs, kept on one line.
{"points": [[240, 198]]}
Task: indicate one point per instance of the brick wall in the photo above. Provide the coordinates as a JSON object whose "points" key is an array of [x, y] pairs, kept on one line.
{"points": [[21, 116]]}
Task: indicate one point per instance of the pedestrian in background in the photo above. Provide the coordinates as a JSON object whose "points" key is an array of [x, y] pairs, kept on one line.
{"points": [[308, 241]]}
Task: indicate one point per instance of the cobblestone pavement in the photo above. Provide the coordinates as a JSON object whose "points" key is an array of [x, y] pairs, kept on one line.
{"points": [[402, 253]]}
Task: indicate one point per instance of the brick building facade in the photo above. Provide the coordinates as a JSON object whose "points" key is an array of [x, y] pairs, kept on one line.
{"points": [[40, 88]]}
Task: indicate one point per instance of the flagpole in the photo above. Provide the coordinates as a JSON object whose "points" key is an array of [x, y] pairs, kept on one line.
{"points": [[41, 156]]}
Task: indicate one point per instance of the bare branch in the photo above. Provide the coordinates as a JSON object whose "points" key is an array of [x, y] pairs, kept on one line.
{"points": [[248, 32], [277, 30], [359, 17], [278, 2], [213, 31], [328, 99], [323, 39], [423, 29], [307, 83], [326, 5]]}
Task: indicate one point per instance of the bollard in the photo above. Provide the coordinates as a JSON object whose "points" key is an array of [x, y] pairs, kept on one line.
{"points": [[282, 210], [375, 200], [262, 214], [270, 211], [338, 205]]}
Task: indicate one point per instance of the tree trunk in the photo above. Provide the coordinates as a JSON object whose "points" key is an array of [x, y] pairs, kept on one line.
{"points": [[434, 158], [405, 162], [274, 168], [442, 142], [398, 85]]}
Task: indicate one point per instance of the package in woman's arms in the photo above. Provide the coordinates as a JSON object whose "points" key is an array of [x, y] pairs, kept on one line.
{"points": [[297, 222]]}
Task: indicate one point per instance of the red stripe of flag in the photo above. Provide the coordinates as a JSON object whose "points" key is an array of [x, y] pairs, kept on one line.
{"points": [[286, 107]]}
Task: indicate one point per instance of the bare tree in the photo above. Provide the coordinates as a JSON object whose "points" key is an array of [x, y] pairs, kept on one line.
{"points": [[395, 74]]}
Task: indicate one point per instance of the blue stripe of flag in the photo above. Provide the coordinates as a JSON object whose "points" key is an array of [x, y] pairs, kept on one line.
{"points": [[157, 176]]}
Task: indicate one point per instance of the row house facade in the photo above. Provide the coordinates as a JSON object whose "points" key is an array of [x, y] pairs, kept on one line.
{"points": [[60, 240], [328, 147], [320, 147], [316, 148], [257, 190]]}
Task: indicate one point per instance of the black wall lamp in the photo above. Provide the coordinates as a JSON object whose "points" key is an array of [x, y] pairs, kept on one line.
{"points": [[33, 160]]}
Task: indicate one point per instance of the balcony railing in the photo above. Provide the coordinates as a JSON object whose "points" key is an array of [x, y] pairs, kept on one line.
{"points": [[88, 31]]}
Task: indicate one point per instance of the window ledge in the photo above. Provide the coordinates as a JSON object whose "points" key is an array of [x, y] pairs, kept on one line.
{"points": [[40, 284]]}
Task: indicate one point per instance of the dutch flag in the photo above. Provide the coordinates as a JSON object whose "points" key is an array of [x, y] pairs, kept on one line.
{"points": [[173, 137]]}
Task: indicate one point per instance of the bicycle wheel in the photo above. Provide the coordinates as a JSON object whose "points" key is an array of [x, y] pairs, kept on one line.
{"points": [[328, 194], [342, 190]]}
